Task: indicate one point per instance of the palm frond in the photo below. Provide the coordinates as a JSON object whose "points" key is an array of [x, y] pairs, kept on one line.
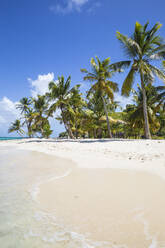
{"points": [[130, 46], [89, 78], [128, 83], [113, 86], [109, 92], [157, 72], [120, 65]]}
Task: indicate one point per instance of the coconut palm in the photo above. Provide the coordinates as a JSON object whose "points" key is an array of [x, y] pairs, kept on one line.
{"points": [[155, 98], [102, 71], [39, 116], [78, 105], [24, 106], [144, 47], [60, 93], [16, 127]]}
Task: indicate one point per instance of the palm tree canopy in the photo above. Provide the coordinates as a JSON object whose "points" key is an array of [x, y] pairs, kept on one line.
{"points": [[155, 99], [24, 105], [40, 104], [59, 93], [16, 127], [142, 48], [102, 71], [63, 96], [60, 89]]}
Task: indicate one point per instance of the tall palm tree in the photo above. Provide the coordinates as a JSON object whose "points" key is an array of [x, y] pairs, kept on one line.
{"points": [[16, 127], [40, 116], [24, 106], [155, 98], [77, 104], [102, 71], [60, 93], [142, 48]]}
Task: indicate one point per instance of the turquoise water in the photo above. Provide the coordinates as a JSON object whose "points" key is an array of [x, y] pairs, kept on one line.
{"points": [[10, 138]]}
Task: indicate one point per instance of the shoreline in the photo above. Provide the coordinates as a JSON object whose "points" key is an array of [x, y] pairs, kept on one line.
{"points": [[137, 155], [108, 205], [113, 193]]}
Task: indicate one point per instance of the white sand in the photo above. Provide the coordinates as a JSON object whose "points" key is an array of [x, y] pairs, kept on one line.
{"points": [[141, 155], [116, 206], [120, 206]]}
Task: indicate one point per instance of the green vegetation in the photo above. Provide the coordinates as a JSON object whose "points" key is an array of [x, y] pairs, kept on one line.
{"points": [[97, 114]]}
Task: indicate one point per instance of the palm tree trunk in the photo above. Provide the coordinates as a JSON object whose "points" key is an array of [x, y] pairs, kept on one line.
{"points": [[108, 123], [67, 126], [42, 132], [147, 133], [94, 133], [70, 131], [76, 133], [29, 129]]}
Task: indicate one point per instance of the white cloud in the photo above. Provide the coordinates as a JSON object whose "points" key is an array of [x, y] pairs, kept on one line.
{"points": [[123, 100], [40, 85], [69, 6], [8, 114]]}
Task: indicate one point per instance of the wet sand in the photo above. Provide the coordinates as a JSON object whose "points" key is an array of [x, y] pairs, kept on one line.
{"points": [[118, 206], [115, 191]]}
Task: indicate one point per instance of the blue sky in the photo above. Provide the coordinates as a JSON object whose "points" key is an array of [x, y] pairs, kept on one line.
{"points": [[41, 37]]}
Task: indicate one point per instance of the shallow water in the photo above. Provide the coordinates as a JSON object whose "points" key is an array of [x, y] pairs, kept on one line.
{"points": [[23, 222], [11, 138]]}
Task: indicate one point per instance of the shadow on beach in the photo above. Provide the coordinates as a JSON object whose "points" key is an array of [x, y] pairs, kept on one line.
{"points": [[38, 140]]}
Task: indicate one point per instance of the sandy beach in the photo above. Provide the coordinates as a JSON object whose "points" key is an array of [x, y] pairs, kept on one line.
{"points": [[113, 192], [140, 155]]}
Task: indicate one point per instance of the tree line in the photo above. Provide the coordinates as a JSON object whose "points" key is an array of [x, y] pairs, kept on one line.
{"points": [[97, 114]]}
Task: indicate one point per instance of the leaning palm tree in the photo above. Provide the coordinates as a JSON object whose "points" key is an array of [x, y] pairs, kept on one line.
{"points": [[102, 71], [60, 94], [24, 106], [16, 127], [77, 104], [40, 116], [142, 48]]}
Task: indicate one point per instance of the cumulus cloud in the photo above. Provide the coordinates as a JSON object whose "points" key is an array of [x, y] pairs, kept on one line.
{"points": [[40, 85], [8, 111], [8, 114], [68, 6], [123, 100]]}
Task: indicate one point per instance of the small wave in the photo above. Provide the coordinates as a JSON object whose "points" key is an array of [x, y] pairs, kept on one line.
{"points": [[140, 217], [34, 191]]}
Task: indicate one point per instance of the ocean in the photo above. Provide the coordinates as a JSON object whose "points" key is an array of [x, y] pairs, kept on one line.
{"points": [[11, 138]]}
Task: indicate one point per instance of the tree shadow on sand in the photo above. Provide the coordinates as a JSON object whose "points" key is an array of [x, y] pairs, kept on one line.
{"points": [[38, 140]]}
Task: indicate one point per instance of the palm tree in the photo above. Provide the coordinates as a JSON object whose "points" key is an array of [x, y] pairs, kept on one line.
{"points": [[142, 48], [77, 104], [16, 127], [101, 72], [60, 94], [155, 98], [40, 116], [24, 106]]}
